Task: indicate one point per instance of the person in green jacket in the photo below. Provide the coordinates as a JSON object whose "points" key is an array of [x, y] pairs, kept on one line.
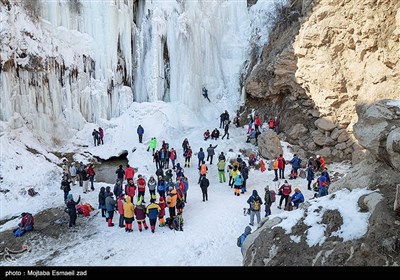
{"points": [[221, 170], [153, 144]]}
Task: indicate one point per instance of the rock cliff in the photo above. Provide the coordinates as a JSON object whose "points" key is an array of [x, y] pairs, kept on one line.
{"points": [[339, 95], [323, 59]]}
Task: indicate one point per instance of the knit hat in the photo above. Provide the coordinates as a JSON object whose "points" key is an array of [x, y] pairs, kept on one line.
{"points": [[161, 198]]}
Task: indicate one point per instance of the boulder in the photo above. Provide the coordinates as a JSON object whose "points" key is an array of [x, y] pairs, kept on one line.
{"points": [[341, 146], [325, 123], [321, 139], [297, 131], [269, 144], [325, 152], [335, 133], [343, 136], [393, 148], [374, 125]]}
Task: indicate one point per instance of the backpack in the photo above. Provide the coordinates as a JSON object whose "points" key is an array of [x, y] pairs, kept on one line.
{"points": [[32, 192], [273, 195], [239, 242], [256, 205]]}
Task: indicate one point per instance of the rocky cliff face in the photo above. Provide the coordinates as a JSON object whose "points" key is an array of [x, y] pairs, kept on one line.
{"points": [[346, 55], [316, 69]]}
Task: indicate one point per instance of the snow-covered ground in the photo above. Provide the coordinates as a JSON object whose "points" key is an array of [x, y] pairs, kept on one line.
{"points": [[211, 228]]}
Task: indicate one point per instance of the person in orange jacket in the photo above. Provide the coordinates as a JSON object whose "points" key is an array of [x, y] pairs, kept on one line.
{"points": [[171, 201]]}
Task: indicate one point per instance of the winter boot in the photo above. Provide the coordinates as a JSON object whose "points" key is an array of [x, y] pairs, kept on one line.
{"points": [[110, 223]]}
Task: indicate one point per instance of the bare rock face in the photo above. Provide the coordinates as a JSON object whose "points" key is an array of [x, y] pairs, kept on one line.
{"points": [[342, 56], [269, 144]]}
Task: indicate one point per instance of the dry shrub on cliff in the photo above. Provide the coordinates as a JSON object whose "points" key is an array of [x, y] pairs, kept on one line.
{"points": [[283, 14], [32, 8]]}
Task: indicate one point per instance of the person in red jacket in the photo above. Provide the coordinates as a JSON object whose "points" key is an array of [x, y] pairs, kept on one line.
{"points": [[257, 123], [130, 189], [161, 213], [206, 135], [285, 191], [129, 173], [281, 166], [120, 203], [271, 124], [141, 185]]}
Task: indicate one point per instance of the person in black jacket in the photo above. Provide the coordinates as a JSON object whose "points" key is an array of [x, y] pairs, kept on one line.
{"points": [[65, 186], [120, 173], [71, 206], [226, 129], [204, 183], [102, 201]]}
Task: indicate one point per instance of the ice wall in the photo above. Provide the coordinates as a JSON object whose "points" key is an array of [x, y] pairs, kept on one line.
{"points": [[64, 63], [188, 45]]}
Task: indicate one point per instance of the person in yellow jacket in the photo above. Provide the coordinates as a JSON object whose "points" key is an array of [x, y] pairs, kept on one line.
{"points": [[275, 167], [171, 201], [152, 211], [235, 172], [128, 213]]}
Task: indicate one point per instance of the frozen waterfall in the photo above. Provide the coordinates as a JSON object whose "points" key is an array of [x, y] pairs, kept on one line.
{"points": [[64, 63]]}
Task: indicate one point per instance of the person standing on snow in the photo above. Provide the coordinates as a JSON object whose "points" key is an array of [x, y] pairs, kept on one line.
{"points": [[101, 136], [268, 201], [211, 153], [204, 183], [110, 206], [255, 203], [200, 156], [95, 135], [226, 129], [221, 171], [91, 174], [285, 191], [140, 132], [310, 176], [152, 145], [71, 206], [243, 237], [188, 155], [257, 123], [152, 211]]}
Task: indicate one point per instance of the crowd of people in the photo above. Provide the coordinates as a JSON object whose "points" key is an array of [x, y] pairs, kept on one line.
{"points": [[167, 187]]}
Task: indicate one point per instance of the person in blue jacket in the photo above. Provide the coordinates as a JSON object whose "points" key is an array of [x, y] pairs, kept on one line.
{"points": [[297, 198], [296, 161], [140, 132], [243, 237]]}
